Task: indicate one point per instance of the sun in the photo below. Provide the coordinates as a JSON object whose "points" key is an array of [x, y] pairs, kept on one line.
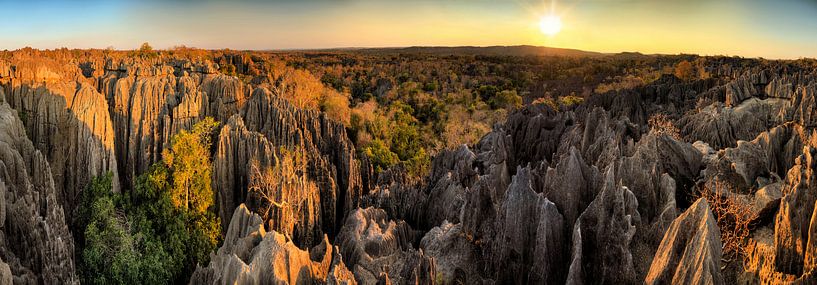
{"points": [[550, 25]]}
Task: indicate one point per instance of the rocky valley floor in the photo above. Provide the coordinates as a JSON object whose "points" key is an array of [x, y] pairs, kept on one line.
{"points": [[704, 180]]}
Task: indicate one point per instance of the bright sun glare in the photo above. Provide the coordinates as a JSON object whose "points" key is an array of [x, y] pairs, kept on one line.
{"points": [[550, 25]]}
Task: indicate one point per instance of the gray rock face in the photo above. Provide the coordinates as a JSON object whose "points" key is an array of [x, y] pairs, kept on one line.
{"points": [[690, 251], [34, 240], [601, 238], [654, 156], [571, 185], [455, 255], [151, 103], [722, 127], [769, 156], [528, 221], [334, 176], [794, 218], [5, 273], [68, 121], [377, 248]]}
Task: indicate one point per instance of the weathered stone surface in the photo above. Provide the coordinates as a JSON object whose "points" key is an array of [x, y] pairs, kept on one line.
{"points": [[34, 240], [68, 121], [722, 127], [690, 252], [549, 247], [252, 256], [330, 187], [793, 220], [330, 156], [236, 149], [571, 185], [5, 273], [654, 156], [602, 235], [528, 221], [378, 248], [338, 273], [243, 162], [454, 253]]}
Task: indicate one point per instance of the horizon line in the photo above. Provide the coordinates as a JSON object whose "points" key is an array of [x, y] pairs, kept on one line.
{"points": [[354, 48]]}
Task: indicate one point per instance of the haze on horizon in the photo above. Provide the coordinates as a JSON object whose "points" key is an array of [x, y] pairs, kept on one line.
{"points": [[750, 28]]}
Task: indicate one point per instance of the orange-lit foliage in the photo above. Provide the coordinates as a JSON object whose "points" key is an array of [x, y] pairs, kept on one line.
{"points": [[684, 70]]}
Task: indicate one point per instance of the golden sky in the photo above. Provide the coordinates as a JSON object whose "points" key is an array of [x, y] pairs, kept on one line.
{"points": [[752, 28]]}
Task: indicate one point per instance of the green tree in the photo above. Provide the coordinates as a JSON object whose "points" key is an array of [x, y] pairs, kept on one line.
{"points": [[505, 99], [486, 92], [145, 48], [380, 155], [114, 248], [188, 158]]}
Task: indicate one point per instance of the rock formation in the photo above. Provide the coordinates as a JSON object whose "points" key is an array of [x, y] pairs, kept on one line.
{"points": [[269, 123], [250, 255], [35, 243], [690, 251], [602, 236], [68, 121], [380, 249]]}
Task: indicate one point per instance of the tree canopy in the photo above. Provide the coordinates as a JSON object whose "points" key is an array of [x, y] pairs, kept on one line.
{"points": [[158, 231]]}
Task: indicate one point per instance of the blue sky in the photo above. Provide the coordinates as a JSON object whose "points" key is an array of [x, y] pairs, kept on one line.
{"points": [[772, 29]]}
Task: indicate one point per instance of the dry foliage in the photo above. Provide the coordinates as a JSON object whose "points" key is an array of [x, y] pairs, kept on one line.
{"points": [[277, 192], [660, 124], [733, 215]]}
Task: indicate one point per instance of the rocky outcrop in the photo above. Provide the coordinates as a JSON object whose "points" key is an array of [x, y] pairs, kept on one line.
{"points": [[571, 185], [250, 255], [237, 149], [690, 251], [34, 239], [455, 254], [722, 127], [753, 164], [793, 231], [654, 156], [602, 236], [379, 249], [68, 121], [151, 103], [269, 123], [521, 209]]}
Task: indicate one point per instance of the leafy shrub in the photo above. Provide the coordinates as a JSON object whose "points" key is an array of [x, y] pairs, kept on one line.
{"points": [[570, 100], [336, 106], [505, 99], [486, 92], [145, 50]]}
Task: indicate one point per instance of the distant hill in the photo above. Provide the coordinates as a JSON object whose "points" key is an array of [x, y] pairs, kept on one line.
{"points": [[523, 50]]}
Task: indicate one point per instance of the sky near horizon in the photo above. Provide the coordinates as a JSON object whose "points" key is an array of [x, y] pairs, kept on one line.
{"points": [[750, 28]]}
